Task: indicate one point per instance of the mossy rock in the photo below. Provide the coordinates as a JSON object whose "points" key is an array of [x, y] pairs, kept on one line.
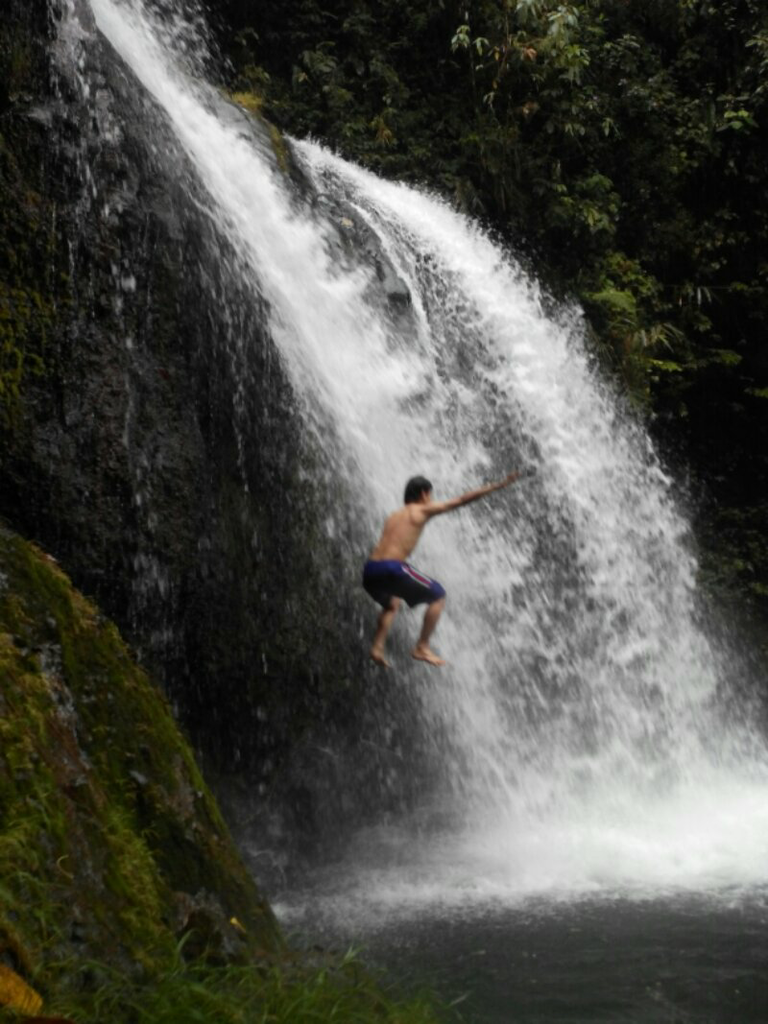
{"points": [[111, 845]]}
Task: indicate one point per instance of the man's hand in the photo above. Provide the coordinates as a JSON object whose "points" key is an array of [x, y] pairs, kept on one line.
{"points": [[519, 474]]}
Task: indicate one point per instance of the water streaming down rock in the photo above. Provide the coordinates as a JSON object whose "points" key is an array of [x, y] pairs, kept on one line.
{"points": [[167, 466], [585, 717]]}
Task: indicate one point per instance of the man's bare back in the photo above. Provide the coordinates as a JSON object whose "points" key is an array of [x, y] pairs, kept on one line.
{"points": [[401, 533], [388, 577]]}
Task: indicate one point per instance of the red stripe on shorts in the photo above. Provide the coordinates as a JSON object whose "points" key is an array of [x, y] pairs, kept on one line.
{"points": [[425, 581]]}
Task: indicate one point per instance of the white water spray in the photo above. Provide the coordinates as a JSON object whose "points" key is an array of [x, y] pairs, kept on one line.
{"points": [[588, 744]]}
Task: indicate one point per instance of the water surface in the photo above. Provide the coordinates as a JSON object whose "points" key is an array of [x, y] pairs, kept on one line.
{"points": [[674, 959]]}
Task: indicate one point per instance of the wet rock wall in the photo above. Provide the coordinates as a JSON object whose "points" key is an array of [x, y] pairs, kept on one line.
{"points": [[151, 440]]}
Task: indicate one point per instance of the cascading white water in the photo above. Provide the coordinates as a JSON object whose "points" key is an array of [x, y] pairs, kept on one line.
{"points": [[589, 739]]}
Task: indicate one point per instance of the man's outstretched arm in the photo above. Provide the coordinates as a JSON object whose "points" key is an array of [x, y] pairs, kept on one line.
{"points": [[436, 508]]}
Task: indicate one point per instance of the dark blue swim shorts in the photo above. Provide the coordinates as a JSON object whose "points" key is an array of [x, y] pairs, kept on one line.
{"points": [[387, 579]]}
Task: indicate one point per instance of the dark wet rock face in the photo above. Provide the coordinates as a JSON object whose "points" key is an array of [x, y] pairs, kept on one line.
{"points": [[358, 242], [149, 436]]}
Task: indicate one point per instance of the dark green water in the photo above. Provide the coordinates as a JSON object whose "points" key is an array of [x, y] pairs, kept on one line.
{"points": [[677, 960]]}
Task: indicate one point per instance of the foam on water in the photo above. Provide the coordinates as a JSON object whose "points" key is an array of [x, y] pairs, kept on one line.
{"points": [[589, 736]]}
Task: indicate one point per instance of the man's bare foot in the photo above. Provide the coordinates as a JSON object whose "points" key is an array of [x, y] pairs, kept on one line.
{"points": [[377, 656], [422, 653]]}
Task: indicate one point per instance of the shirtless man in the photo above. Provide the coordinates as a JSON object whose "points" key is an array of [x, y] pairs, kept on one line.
{"points": [[388, 577]]}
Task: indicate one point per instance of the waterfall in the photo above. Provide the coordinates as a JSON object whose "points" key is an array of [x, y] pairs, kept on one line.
{"points": [[586, 731]]}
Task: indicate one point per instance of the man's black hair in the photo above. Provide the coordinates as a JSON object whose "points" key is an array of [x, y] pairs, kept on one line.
{"points": [[415, 488]]}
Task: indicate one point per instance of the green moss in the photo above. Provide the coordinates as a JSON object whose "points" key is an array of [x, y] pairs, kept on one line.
{"points": [[25, 321], [280, 148], [250, 101], [32, 284], [27, 295], [106, 821], [253, 102]]}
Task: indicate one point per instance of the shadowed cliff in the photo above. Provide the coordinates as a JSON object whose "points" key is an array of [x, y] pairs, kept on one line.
{"points": [[151, 440]]}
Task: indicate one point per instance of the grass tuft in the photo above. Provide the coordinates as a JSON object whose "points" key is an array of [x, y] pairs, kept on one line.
{"points": [[279, 990]]}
